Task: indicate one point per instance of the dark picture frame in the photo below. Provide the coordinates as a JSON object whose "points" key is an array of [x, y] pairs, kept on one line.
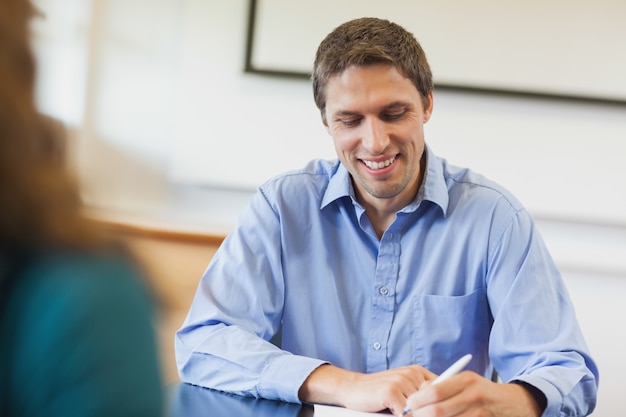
{"points": [[253, 67]]}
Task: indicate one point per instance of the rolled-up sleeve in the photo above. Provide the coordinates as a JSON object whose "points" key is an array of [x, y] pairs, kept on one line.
{"points": [[224, 341], [536, 337]]}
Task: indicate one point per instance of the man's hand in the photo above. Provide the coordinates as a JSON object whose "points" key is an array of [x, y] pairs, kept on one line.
{"points": [[468, 394], [364, 392]]}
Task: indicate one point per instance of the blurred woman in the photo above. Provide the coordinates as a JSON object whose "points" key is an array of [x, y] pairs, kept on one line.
{"points": [[76, 335]]}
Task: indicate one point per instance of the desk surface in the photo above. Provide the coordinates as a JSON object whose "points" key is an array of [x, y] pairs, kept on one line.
{"points": [[190, 401]]}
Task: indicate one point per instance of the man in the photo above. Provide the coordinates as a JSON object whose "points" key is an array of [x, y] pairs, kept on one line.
{"points": [[384, 267]]}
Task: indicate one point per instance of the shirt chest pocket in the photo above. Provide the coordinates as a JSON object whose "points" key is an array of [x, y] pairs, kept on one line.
{"points": [[448, 327]]}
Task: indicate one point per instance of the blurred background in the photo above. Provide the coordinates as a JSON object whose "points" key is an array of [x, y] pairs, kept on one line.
{"points": [[169, 134]]}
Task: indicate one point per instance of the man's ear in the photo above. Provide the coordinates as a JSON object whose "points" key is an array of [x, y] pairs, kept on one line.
{"points": [[428, 109], [325, 123]]}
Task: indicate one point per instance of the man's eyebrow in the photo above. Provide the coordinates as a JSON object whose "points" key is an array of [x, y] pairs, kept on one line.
{"points": [[397, 104], [342, 113]]}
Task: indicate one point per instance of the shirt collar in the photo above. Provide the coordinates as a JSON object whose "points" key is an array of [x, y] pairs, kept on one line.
{"points": [[339, 186], [433, 187]]}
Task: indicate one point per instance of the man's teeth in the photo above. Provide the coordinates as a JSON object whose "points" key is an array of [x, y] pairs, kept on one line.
{"points": [[379, 165]]}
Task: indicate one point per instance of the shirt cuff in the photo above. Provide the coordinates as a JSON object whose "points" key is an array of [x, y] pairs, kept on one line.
{"points": [[284, 376]]}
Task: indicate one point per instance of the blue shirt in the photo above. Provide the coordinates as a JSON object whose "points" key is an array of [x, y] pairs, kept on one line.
{"points": [[462, 269]]}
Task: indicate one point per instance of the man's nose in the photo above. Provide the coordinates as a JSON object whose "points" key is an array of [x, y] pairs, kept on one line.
{"points": [[375, 138]]}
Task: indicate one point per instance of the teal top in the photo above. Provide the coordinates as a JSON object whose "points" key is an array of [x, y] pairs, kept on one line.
{"points": [[77, 339]]}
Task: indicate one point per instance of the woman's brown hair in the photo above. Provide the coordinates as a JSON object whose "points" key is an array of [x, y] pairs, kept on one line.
{"points": [[40, 204]]}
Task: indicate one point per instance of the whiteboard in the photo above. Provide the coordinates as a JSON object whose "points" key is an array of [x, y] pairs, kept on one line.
{"points": [[572, 48]]}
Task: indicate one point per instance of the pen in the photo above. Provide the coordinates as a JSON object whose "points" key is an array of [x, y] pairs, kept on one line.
{"points": [[454, 369]]}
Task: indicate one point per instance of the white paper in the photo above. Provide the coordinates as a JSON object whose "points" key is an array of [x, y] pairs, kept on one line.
{"points": [[331, 411]]}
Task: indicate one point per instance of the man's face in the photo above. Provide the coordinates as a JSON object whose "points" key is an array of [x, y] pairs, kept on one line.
{"points": [[376, 119]]}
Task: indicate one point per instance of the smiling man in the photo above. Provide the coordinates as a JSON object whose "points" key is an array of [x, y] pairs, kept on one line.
{"points": [[386, 265], [376, 118]]}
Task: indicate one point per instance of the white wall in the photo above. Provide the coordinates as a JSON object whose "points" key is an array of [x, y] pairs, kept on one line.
{"points": [[160, 84], [599, 301]]}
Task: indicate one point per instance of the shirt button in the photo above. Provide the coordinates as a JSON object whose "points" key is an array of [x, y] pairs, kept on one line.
{"points": [[377, 346], [383, 291]]}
